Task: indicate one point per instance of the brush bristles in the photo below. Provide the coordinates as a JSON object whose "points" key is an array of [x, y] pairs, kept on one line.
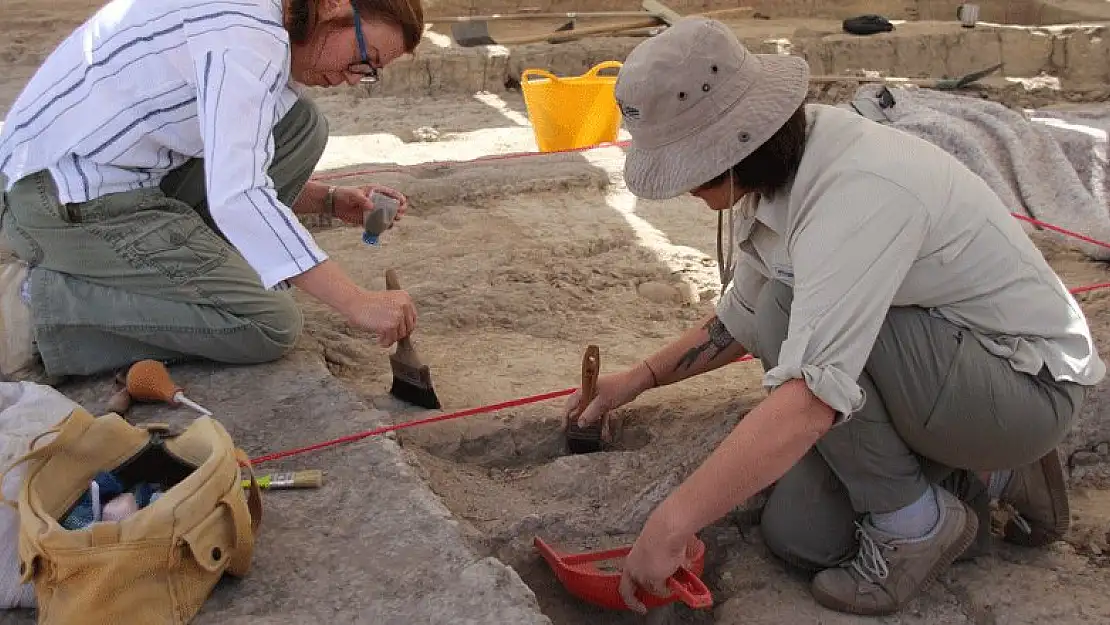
{"points": [[413, 385], [420, 376], [312, 478], [584, 440], [415, 395]]}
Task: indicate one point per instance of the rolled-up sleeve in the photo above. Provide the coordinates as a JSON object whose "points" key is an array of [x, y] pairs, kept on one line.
{"points": [[851, 248], [240, 78], [736, 308]]}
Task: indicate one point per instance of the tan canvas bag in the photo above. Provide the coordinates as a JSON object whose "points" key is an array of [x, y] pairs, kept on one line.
{"points": [[157, 566]]}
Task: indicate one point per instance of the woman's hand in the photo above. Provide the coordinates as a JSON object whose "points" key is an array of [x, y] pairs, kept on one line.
{"points": [[389, 314], [613, 391], [352, 203], [655, 556]]}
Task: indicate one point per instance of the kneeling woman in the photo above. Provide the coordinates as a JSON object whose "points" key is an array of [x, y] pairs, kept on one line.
{"points": [[919, 352], [151, 174]]}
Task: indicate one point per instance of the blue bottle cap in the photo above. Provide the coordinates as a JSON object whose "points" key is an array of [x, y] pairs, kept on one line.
{"points": [[369, 239]]}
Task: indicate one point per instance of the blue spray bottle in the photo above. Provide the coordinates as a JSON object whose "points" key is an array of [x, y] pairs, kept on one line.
{"points": [[377, 221]]}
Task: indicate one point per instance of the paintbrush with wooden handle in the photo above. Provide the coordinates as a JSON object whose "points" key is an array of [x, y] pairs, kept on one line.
{"points": [[412, 381]]}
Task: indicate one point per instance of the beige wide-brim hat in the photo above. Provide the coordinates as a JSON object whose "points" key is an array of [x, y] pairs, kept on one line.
{"points": [[696, 102]]}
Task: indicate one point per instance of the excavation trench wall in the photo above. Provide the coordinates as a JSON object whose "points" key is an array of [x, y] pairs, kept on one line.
{"points": [[1001, 11], [1076, 55]]}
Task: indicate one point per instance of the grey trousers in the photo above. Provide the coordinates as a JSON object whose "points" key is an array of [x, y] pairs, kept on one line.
{"points": [[146, 274], [939, 407]]}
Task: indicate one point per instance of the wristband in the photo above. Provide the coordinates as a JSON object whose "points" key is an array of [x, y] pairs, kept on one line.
{"points": [[329, 203], [654, 379]]}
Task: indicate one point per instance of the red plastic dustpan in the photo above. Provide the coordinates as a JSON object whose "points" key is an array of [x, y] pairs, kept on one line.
{"points": [[591, 578]]}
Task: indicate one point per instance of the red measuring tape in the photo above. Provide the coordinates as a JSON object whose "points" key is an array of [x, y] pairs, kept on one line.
{"points": [[532, 399], [512, 403]]}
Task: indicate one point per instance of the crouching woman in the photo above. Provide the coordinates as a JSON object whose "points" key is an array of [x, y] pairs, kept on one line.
{"points": [[152, 173], [919, 352]]}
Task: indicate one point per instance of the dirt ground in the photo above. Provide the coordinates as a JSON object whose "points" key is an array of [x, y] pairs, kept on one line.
{"points": [[516, 265]]}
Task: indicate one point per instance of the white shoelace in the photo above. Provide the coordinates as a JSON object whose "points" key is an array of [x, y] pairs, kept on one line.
{"points": [[1019, 520], [869, 562]]}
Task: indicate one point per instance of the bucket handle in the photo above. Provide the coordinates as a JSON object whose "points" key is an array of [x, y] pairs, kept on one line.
{"points": [[591, 73], [543, 73], [603, 65]]}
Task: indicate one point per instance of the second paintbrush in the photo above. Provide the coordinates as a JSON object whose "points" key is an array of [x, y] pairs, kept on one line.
{"points": [[289, 479]]}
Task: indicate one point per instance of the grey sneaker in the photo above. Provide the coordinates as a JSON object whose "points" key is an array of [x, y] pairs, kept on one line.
{"points": [[1037, 497], [968, 488], [888, 572]]}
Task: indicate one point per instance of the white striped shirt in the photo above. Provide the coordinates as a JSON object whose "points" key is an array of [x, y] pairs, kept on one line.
{"points": [[142, 87]]}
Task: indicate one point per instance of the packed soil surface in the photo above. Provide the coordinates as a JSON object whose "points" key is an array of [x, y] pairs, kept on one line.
{"points": [[516, 265]]}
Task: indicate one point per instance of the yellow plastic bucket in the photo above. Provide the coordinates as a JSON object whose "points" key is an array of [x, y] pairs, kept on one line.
{"points": [[572, 113]]}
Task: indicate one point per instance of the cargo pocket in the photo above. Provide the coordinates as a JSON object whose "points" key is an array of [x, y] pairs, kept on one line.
{"points": [[176, 244], [211, 542], [951, 388]]}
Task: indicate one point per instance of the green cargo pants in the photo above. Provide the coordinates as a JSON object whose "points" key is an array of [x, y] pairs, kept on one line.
{"points": [[939, 407], [146, 273]]}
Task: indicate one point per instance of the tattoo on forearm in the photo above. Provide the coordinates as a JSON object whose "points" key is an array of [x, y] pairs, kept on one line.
{"points": [[719, 340], [718, 335]]}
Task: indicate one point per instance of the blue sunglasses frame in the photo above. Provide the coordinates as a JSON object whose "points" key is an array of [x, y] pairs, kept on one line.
{"points": [[364, 68]]}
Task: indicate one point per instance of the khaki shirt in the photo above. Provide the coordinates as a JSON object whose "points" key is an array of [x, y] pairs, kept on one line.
{"points": [[874, 218]]}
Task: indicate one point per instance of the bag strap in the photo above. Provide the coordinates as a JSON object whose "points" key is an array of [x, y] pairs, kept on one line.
{"points": [[254, 494], [241, 558], [69, 429]]}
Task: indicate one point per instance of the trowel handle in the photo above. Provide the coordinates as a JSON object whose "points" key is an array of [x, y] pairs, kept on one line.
{"points": [[392, 283], [690, 589], [591, 368]]}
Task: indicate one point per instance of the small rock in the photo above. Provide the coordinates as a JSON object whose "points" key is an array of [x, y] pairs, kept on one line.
{"points": [[119, 403], [689, 296], [425, 134], [530, 524], [660, 293], [1085, 459], [1061, 549]]}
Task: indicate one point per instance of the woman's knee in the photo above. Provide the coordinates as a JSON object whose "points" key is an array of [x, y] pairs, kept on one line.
{"points": [[279, 328], [785, 542], [772, 320], [795, 541], [808, 521], [308, 127], [299, 141]]}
